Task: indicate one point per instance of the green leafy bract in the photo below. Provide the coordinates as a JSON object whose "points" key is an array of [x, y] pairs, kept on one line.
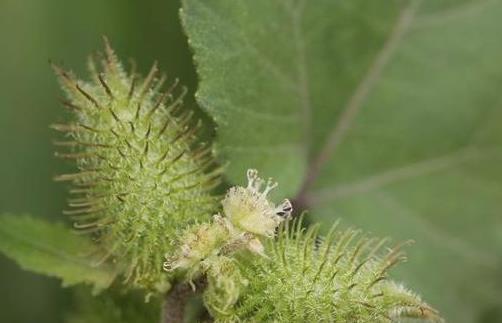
{"points": [[53, 250]]}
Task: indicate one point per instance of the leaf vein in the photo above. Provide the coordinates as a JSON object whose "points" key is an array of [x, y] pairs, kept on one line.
{"points": [[358, 98], [402, 173]]}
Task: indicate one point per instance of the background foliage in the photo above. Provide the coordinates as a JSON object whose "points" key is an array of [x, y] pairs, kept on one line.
{"points": [[409, 90]]}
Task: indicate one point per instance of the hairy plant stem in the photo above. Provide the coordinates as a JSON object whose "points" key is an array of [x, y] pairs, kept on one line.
{"points": [[173, 309]]}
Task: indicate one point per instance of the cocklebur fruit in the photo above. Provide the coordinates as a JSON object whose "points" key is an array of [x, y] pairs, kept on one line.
{"points": [[141, 174], [307, 278]]}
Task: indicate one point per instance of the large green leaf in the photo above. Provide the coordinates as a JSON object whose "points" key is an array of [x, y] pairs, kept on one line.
{"points": [[386, 114], [53, 250]]}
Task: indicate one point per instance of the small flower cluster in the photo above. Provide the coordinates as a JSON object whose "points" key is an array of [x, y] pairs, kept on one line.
{"points": [[247, 216]]}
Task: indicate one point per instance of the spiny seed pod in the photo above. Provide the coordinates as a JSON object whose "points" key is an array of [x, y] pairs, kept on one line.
{"points": [[142, 176], [306, 278]]}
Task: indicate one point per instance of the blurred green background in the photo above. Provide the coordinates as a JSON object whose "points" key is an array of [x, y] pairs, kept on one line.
{"points": [[31, 33]]}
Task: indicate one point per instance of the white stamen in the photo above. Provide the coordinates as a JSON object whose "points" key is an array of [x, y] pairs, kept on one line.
{"points": [[252, 175], [270, 186]]}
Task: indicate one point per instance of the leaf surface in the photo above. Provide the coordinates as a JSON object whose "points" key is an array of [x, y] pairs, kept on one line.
{"points": [[385, 114]]}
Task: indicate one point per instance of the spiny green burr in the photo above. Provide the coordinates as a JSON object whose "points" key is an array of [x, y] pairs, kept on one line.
{"points": [[308, 278], [142, 176]]}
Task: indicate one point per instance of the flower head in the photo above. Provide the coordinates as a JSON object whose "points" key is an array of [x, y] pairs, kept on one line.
{"points": [[249, 209]]}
